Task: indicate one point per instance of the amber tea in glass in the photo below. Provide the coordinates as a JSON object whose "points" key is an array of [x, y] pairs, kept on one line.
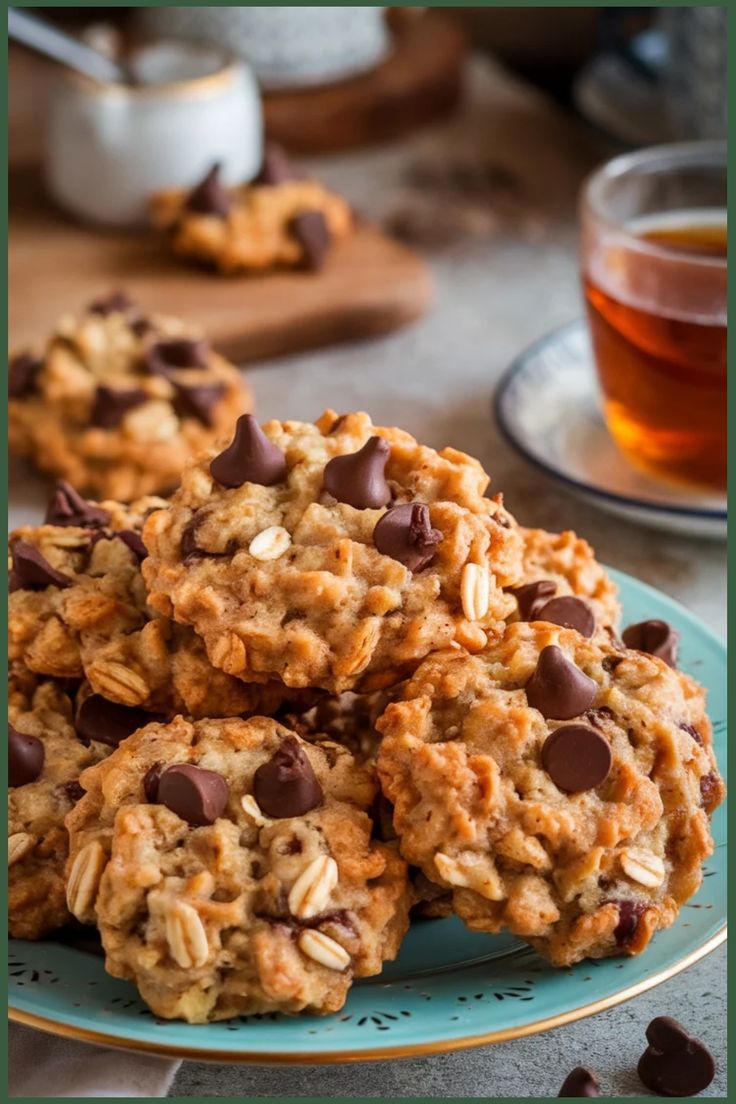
{"points": [[654, 257]]}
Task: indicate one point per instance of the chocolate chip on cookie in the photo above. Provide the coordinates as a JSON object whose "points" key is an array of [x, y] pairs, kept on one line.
{"points": [[25, 757], [196, 795], [210, 197], [559, 689], [198, 402], [276, 167], [176, 353], [576, 758], [32, 571], [655, 637], [134, 541], [570, 613], [23, 372], [250, 458], [108, 722], [150, 782], [675, 1063], [116, 302], [405, 534], [66, 507], [532, 597], [313, 234], [358, 478], [110, 406], [580, 1082], [286, 786]]}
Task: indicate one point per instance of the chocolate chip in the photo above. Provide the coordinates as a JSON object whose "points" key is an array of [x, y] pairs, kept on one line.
{"points": [[570, 613], [710, 791], [692, 731], [581, 1082], [532, 596], [610, 662], [405, 534], [190, 550], [25, 757], [198, 402], [629, 915], [286, 786], [110, 406], [196, 795], [23, 371], [313, 234], [576, 758], [108, 722], [32, 571], [150, 782], [175, 354], [210, 197], [116, 302], [66, 507], [675, 1063], [655, 637], [358, 478], [559, 689], [276, 167], [134, 542], [250, 458], [72, 791]]}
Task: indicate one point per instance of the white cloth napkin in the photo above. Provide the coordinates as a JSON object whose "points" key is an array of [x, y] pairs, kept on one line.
{"points": [[44, 1065]]}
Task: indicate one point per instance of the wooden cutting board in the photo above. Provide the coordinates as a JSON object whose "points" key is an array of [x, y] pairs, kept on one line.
{"points": [[370, 284]]}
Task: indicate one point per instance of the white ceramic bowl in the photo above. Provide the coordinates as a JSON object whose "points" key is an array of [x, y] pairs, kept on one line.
{"points": [[110, 146]]}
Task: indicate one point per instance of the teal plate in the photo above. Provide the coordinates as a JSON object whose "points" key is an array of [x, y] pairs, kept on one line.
{"points": [[449, 988]]}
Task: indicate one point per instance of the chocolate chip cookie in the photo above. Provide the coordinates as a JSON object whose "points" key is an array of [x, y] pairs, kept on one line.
{"points": [[281, 220], [560, 788], [121, 400], [230, 869], [334, 555], [45, 758], [78, 609], [564, 583]]}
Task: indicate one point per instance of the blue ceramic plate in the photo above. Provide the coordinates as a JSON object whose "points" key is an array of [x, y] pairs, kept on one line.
{"points": [[450, 988], [548, 407]]}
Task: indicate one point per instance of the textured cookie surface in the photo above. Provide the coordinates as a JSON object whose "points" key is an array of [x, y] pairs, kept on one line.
{"points": [[290, 224], [557, 565], [121, 401], [579, 822], [230, 869], [357, 553], [78, 609], [47, 767]]}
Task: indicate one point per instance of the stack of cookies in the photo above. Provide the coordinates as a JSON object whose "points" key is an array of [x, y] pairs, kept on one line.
{"points": [[325, 684]]}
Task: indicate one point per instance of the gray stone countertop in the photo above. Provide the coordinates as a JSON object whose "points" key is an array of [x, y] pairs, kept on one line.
{"points": [[498, 288]]}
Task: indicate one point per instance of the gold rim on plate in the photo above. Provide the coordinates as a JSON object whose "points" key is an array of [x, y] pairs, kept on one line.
{"points": [[327, 1057]]}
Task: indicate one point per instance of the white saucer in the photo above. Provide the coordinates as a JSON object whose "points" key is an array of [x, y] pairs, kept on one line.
{"points": [[547, 406]]}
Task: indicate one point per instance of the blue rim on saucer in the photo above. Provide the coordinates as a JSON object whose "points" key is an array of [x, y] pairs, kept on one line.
{"points": [[449, 989], [537, 371]]}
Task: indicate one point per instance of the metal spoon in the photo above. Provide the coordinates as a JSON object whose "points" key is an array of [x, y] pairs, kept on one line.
{"points": [[48, 40]]}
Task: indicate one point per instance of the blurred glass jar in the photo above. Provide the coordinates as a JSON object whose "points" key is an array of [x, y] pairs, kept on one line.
{"points": [[109, 146], [286, 46], [694, 76]]}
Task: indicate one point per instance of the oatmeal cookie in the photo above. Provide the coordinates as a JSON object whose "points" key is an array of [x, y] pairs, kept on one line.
{"points": [[45, 759], [278, 221], [560, 788], [121, 401], [230, 869], [559, 567], [334, 555], [78, 608]]}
